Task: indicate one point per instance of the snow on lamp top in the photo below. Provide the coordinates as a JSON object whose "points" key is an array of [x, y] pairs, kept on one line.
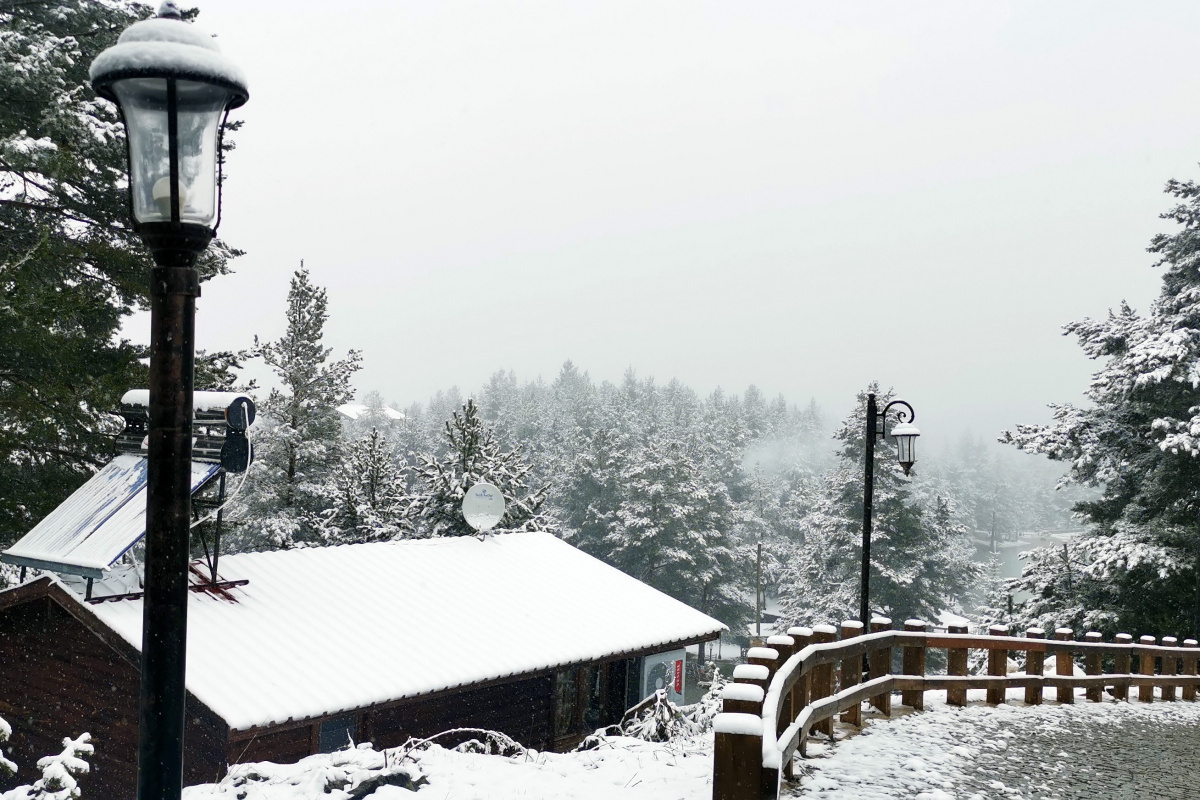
{"points": [[165, 46]]}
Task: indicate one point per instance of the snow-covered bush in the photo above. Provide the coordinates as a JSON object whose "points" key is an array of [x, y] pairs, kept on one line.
{"points": [[347, 774], [702, 713], [58, 772]]}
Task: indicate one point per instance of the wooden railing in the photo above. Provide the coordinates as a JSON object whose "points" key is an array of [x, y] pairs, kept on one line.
{"points": [[799, 682]]}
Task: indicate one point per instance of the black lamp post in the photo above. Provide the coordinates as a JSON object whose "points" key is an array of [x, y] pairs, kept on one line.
{"points": [[174, 90], [905, 434]]}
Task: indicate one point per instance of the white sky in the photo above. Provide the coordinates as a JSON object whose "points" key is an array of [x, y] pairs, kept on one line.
{"points": [[803, 196]]}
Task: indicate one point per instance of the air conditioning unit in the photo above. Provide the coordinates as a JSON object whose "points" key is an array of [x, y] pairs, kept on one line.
{"points": [[664, 671]]}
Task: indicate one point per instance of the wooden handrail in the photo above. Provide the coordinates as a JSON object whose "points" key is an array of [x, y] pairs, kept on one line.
{"points": [[782, 739]]}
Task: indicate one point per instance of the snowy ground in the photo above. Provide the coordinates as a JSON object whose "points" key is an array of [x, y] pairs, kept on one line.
{"points": [[1096, 751], [1100, 751], [622, 769]]}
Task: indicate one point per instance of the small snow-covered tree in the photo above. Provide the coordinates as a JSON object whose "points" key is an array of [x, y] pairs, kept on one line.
{"points": [[59, 772], [297, 437], [472, 456]]}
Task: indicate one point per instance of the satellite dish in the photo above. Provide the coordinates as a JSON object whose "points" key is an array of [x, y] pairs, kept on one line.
{"points": [[483, 506]]}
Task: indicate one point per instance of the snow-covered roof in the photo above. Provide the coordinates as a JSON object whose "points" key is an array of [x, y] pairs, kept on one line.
{"points": [[324, 630], [97, 524], [358, 410]]}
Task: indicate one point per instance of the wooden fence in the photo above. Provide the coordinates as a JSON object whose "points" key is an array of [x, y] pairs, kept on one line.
{"points": [[799, 682]]}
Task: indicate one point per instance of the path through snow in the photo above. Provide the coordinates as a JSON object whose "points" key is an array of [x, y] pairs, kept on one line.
{"points": [[1099, 751]]}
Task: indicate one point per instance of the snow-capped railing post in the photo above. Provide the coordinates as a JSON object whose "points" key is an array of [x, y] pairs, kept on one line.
{"points": [[851, 669], [1035, 664], [956, 664], [803, 637], [1123, 664], [753, 674], [914, 664], [1189, 668], [785, 646], [823, 677], [742, 698], [1065, 666], [1146, 667], [1170, 666], [764, 657], [997, 666], [737, 756], [881, 664], [1092, 665]]}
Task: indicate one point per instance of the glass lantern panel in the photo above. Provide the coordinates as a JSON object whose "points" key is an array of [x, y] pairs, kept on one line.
{"points": [[905, 449], [199, 109]]}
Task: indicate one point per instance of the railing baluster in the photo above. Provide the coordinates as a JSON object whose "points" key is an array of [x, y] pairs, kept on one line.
{"points": [[1189, 668], [823, 677], [997, 665], [852, 672], [1091, 665], [1035, 664], [956, 664], [1146, 667], [785, 646], [1123, 664], [880, 665], [1065, 665], [1170, 666], [914, 664]]}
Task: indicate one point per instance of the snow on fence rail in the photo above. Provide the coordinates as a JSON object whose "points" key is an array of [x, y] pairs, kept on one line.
{"points": [[801, 681]]}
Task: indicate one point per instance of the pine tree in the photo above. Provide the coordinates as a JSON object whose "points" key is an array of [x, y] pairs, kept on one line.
{"points": [[365, 494], [472, 455], [297, 436], [71, 267], [1139, 441]]}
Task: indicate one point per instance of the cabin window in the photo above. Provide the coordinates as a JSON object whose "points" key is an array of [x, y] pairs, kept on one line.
{"points": [[336, 733]]}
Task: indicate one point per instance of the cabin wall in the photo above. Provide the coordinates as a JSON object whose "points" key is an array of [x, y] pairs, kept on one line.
{"points": [[58, 679]]}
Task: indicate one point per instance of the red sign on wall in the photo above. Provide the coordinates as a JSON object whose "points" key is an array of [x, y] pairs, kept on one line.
{"points": [[678, 677]]}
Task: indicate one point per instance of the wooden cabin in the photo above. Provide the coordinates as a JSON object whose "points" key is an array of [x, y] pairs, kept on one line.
{"points": [[300, 651]]}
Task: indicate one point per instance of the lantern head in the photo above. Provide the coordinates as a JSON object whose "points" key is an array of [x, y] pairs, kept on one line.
{"points": [[905, 434], [174, 89]]}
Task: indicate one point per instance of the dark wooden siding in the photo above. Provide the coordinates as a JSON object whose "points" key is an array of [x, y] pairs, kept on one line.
{"points": [[282, 746], [58, 679]]}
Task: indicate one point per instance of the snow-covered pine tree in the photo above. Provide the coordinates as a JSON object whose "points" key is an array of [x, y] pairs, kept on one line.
{"points": [[472, 455], [920, 558], [297, 439], [1139, 440], [59, 772], [72, 267], [365, 494]]}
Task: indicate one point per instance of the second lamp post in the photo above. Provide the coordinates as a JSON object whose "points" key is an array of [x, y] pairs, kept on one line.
{"points": [[905, 434]]}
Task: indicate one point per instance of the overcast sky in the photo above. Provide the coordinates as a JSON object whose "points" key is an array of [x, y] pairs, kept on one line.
{"points": [[802, 196]]}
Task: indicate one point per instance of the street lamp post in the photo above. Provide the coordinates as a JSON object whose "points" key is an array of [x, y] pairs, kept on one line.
{"points": [[174, 89], [905, 434]]}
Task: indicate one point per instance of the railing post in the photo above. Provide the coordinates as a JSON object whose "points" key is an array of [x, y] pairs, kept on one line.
{"points": [[852, 671], [997, 666], [767, 657], [914, 664], [753, 674], [1123, 664], [823, 677], [803, 637], [1189, 668], [1146, 667], [1065, 665], [956, 664], [880, 665], [737, 757], [742, 698], [1035, 664], [1170, 666], [785, 646], [1091, 665]]}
